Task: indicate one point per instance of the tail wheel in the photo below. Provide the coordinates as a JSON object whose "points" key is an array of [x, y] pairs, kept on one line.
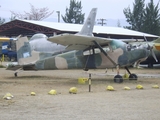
{"points": [[118, 79], [133, 77], [15, 74]]}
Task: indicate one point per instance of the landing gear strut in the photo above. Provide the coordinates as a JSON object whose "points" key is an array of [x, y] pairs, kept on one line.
{"points": [[132, 76], [118, 78]]}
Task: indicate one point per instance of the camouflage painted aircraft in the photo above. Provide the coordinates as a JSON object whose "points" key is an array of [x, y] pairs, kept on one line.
{"points": [[94, 52], [85, 52], [39, 42]]}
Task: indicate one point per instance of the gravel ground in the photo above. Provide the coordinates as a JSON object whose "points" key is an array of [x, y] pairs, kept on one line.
{"points": [[98, 104]]}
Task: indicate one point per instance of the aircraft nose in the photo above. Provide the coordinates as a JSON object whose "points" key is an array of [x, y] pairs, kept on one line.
{"points": [[144, 49]]}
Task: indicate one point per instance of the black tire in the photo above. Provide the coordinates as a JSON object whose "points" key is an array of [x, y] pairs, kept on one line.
{"points": [[133, 77], [118, 79]]}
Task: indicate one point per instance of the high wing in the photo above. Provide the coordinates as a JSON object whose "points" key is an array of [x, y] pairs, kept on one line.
{"points": [[83, 39], [78, 42]]}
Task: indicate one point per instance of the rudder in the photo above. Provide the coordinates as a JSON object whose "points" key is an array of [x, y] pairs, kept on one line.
{"points": [[87, 28], [24, 54]]}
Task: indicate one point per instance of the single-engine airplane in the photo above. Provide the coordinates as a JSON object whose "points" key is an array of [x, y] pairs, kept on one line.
{"points": [[85, 52], [91, 55]]}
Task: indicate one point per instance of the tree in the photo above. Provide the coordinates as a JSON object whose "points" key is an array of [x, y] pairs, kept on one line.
{"points": [[12, 18], [136, 17], [34, 14], [2, 21], [118, 23], [74, 13], [152, 19]]}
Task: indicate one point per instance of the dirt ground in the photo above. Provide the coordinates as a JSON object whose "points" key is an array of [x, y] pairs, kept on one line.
{"points": [[98, 104]]}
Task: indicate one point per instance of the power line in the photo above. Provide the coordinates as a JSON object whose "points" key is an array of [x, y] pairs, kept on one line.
{"points": [[101, 21]]}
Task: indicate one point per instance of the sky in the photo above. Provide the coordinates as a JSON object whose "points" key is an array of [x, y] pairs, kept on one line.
{"points": [[111, 10]]}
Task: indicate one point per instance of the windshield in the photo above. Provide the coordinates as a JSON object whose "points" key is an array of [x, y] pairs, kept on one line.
{"points": [[38, 36]]}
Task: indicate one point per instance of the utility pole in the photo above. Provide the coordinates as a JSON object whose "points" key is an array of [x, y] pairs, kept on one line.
{"points": [[58, 12], [102, 21]]}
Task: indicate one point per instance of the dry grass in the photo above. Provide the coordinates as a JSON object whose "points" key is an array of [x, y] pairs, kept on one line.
{"points": [[97, 104]]}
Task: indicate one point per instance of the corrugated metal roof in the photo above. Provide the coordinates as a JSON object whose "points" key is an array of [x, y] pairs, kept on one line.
{"points": [[97, 29]]}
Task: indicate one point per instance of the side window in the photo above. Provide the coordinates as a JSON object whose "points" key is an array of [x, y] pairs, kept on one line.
{"points": [[87, 52], [106, 49], [130, 47], [96, 51]]}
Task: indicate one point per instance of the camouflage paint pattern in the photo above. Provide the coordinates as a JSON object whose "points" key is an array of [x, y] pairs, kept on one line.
{"points": [[119, 52], [76, 60]]}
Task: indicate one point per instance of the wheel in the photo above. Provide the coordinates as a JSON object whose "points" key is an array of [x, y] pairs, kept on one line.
{"points": [[118, 79], [133, 77]]}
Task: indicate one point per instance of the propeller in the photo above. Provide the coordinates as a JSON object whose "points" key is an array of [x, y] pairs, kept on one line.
{"points": [[151, 49]]}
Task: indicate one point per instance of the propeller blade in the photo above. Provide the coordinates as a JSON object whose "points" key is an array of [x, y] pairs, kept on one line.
{"points": [[145, 38], [154, 56], [151, 49]]}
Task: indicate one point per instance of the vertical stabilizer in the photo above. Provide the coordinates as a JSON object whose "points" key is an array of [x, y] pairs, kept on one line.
{"points": [[87, 28], [24, 54]]}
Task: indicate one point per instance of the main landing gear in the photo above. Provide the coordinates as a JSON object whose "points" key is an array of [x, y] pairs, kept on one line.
{"points": [[132, 76], [119, 79]]}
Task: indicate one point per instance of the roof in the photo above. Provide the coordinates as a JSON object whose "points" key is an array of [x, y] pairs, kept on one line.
{"points": [[30, 26]]}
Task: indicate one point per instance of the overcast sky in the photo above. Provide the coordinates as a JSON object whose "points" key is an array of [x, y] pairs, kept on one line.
{"points": [[111, 10]]}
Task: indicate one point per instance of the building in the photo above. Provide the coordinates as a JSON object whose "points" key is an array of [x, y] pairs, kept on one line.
{"points": [[30, 27]]}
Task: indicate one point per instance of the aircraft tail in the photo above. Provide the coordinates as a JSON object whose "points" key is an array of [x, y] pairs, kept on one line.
{"points": [[24, 54], [87, 28]]}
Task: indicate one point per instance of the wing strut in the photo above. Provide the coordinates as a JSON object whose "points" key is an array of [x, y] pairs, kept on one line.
{"points": [[101, 49]]}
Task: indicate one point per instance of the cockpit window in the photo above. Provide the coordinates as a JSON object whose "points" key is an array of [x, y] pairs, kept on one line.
{"points": [[96, 51], [38, 36]]}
